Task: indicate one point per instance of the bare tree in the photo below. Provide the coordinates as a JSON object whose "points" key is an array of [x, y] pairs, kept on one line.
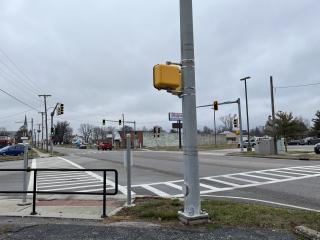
{"points": [[86, 131], [227, 122], [3, 131]]}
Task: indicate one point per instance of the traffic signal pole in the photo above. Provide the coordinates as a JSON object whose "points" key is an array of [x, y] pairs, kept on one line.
{"points": [[273, 118], [239, 114], [192, 205], [51, 132]]}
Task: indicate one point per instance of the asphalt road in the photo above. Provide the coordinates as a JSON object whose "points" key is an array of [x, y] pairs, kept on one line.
{"points": [[292, 182]]}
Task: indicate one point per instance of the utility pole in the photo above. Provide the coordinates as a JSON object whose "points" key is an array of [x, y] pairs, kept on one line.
{"points": [[31, 131], [215, 129], [42, 113], [39, 133], [273, 118], [192, 206], [46, 116], [123, 131]]}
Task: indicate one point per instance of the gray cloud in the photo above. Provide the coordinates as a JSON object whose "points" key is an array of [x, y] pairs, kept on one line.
{"points": [[97, 56]]}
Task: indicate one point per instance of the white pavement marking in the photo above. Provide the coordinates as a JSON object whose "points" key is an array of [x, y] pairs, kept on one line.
{"points": [[223, 182], [156, 191], [241, 179], [121, 188], [30, 185], [304, 173], [264, 201], [255, 176], [59, 181]]}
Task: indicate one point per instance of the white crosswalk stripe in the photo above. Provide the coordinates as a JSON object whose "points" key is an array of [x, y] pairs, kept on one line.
{"points": [[232, 181], [84, 181]]}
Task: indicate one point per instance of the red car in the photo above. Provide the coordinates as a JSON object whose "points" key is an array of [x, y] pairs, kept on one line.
{"points": [[105, 146]]}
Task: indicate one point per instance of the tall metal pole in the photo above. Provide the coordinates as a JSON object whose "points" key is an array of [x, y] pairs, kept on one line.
{"points": [[273, 118], [123, 131], [134, 134], [240, 124], [46, 116], [179, 129], [248, 128], [128, 165], [192, 204], [215, 129], [51, 135], [42, 129]]}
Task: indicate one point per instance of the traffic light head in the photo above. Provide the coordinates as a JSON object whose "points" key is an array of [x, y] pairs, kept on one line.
{"points": [[235, 122], [61, 108], [120, 122], [103, 122], [167, 77], [215, 105]]}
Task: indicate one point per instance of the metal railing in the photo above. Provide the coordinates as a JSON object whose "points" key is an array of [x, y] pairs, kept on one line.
{"points": [[34, 192]]}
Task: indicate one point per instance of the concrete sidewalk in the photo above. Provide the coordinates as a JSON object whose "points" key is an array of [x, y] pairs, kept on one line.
{"points": [[41, 155], [60, 208]]}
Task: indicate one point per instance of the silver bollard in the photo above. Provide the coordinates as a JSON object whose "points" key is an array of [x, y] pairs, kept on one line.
{"points": [[128, 166], [25, 176]]}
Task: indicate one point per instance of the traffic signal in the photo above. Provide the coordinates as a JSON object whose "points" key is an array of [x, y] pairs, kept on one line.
{"points": [[235, 123], [120, 122], [215, 105], [52, 131], [103, 122], [61, 108], [167, 77]]}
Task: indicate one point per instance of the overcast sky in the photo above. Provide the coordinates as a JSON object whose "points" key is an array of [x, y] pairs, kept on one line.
{"points": [[96, 57]]}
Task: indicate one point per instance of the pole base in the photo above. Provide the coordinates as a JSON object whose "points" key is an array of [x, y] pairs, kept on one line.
{"points": [[193, 220], [24, 204]]}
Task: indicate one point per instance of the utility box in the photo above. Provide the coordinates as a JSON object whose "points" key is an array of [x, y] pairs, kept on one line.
{"points": [[167, 77], [266, 146]]}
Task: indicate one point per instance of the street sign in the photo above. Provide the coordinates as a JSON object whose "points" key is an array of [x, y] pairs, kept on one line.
{"points": [[176, 125], [175, 116]]}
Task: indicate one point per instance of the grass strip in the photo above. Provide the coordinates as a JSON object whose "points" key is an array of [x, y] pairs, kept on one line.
{"points": [[224, 213]]}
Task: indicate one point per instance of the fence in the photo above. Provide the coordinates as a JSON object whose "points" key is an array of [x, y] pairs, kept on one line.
{"points": [[34, 192]]}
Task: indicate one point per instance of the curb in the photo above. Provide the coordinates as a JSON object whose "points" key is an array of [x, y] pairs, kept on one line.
{"points": [[307, 233]]}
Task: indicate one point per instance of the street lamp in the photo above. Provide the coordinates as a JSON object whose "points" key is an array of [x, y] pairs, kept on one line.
{"points": [[248, 128]]}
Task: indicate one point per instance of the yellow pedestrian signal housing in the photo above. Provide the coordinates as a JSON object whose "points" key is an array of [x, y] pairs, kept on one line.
{"points": [[215, 105], [167, 77]]}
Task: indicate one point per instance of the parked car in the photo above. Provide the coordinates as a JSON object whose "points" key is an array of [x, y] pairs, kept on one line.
{"points": [[295, 142], [314, 141], [317, 148], [245, 143], [105, 146], [82, 146], [13, 150]]}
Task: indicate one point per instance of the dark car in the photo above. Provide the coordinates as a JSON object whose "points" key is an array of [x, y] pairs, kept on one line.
{"points": [[295, 142], [14, 150], [317, 148], [105, 146]]}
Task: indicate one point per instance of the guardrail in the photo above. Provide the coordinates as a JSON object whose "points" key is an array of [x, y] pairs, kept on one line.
{"points": [[34, 192]]}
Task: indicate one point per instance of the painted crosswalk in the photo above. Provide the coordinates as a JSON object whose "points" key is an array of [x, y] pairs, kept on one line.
{"points": [[82, 181], [228, 182]]}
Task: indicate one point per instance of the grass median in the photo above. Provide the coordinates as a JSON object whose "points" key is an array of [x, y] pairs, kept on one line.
{"points": [[199, 147], [290, 155], [31, 154], [223, 214]]}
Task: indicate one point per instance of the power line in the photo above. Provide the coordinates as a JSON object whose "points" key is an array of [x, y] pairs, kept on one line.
{"points": [[17, 99], [301, 85], [15, 114], [31, 82]]}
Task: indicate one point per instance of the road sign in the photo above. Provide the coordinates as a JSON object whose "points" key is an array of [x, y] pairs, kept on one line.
{"points": [[176, 125], [175, 116]]}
